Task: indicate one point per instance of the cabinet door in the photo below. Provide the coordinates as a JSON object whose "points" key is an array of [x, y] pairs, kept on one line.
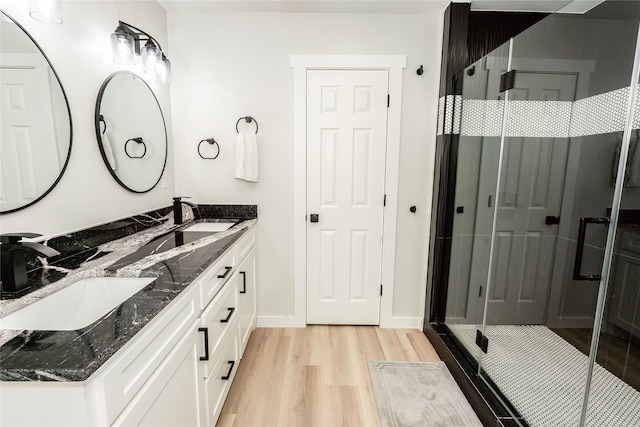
{"points": [[172, 396], [247, 297], [218, 383]]}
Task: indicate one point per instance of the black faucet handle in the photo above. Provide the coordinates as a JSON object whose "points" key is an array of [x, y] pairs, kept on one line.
{"points": [[40, 248], [14, 238]]}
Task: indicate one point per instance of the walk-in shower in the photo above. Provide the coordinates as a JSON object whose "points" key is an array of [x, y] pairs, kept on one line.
{"points": [[543, 288]]}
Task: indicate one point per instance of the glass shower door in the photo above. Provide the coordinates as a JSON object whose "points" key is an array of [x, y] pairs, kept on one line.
{"points": [[614, 390], [476, 146], [561, 148]]}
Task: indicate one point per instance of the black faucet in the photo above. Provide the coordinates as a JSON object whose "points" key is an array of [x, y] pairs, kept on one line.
{"points": [[177, 209], [14, 268]]}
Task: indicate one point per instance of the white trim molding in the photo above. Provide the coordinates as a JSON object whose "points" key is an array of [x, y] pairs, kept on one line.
{"points": [[300, 64], [277, 322]]}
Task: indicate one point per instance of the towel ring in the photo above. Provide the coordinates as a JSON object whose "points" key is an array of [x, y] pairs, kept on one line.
{"points": [[211, 141], [139, 140], [102, 121], [248, 119]]}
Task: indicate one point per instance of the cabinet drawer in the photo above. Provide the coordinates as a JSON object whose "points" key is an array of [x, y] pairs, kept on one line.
{"points": [[216, 321], [217, 384], [245, 244], [212, 280]]}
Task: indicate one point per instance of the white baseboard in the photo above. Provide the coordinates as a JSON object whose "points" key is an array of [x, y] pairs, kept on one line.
{"points": [[397, 322], [402, 322], [279, 322]]}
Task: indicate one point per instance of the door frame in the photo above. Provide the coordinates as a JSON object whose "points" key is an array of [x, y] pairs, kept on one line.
{"points": [[395, 65]]}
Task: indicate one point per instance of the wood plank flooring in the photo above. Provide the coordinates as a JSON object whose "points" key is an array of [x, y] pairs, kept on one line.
{"points": [[619, 354], [315, 376]]}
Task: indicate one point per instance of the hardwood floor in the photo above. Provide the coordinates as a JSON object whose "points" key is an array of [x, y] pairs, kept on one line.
{"points": [[315, 376], [619, 354]]}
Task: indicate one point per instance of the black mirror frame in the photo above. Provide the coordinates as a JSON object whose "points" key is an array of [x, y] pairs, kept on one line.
{"points": [[97, 119], [66, 101]]}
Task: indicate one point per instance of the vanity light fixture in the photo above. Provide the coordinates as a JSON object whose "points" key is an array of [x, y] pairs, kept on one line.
{"points": [[126, 42], [164, 70], [49, 11]]}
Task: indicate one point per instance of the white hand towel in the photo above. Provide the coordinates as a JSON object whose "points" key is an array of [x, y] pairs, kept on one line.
{"points": [[247, 157], [108, 150]]}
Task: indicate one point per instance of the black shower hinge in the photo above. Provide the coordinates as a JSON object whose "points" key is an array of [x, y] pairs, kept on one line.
{"points": [[380, 290], [388, 100], [508, 80], [482, 341], [384, 200]]}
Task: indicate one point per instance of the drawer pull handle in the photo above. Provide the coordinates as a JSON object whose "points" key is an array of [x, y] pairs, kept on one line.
{"points": [[232, 364], [244, 282], [206, 343], [226, 273], [231, 310]]}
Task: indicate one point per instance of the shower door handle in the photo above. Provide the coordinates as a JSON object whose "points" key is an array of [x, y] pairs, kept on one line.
{"points": [[577, 266]]}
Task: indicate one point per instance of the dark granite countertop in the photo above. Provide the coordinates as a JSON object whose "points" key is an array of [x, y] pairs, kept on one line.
{"points": [[75, 355]]}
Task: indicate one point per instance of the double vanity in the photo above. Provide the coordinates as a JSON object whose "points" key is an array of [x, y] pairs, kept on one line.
{"points": [[148, 331], [141, 321]]}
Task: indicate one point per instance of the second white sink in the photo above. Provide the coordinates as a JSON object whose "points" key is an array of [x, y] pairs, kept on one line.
{"points": [[76, 306], [210, 226]]}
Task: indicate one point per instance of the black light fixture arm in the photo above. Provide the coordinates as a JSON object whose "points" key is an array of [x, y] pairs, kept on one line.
{"points": [[138, 35]]}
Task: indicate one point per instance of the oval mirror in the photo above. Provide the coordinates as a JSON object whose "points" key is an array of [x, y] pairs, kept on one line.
{"points": [[35, 120], [131, 132]]}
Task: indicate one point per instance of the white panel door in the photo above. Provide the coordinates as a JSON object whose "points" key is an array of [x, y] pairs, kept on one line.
{"points": [[29, 160], [530, 190], [346, 146]]}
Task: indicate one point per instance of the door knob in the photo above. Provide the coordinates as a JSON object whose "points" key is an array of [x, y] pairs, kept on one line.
{"points": [[314, 217]]}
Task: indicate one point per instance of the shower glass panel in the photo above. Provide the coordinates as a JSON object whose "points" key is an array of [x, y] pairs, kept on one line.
{"points": [[562, 145], [614, 392], [476, 146]]}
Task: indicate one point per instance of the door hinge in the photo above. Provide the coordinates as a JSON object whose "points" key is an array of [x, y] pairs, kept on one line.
{"points": [[380, 290], [482, 341], [384, 200], [508, 80], [388, 100], [480, 292]]}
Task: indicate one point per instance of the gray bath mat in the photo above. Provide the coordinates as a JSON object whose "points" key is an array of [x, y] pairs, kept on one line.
{"points": [[419, 394]]}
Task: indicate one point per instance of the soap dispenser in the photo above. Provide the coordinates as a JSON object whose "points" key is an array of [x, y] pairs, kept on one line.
{"points": [[14, 267]]}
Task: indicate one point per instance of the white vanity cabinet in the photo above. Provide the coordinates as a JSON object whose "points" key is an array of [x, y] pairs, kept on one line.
{"points": [[176, 371], [190, 386]]}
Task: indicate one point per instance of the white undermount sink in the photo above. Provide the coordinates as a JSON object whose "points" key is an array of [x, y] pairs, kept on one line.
{"points": [[210, 226], [76, 306]]}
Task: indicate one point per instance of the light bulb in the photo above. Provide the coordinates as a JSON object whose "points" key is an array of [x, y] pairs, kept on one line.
{"points": [[49, 11], [151, 57], [122, 47], [164, 70]]}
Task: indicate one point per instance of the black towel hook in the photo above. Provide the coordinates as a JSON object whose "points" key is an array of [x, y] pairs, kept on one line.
{"points": [[248, 119], [139, 140], [211, 141]]}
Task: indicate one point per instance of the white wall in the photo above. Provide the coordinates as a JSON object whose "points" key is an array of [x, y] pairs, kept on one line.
{"points": [[79, 50], [228, 65]]}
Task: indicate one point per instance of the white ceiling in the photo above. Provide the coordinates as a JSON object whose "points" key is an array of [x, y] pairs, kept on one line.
{"points": [[371, 6]]}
